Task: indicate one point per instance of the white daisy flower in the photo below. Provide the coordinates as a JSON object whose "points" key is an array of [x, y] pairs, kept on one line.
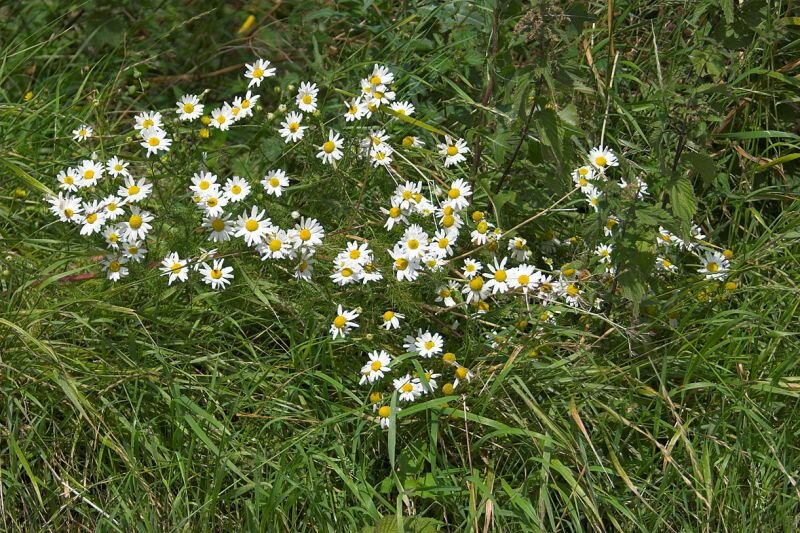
{"points": [[236, 189], [603, 251], [93, 218], [217, 275], [113, 235], [189, 107], [381, 75], [253, 227], [82, 133], [204, 183], [611, 223], [308, 233], [474, 290], [405, 268], [429, 344], [395, 216], [602, 157], [453, 152], [67, 208], [497, 276], [219, 228], [429, 384], [115, 268], [462, 374], [408, 390], [133, 190], [445, 293], [276, 245], [68, 180], [117, 167], [459, 193], [391, 320], [222, 118], [138, 224], [381, 156], [378, 364], [174, 267], [471, 268], [523, 277], [258, 71], [343, 323], [213, 203], [665, 265], [331, 150], [134, 251], [385, 416], [292, 129], [155, 140], [307, 97], [90, 172], [715, 265], [305, 268], [410, 141], [147, 120], [275, 181], [402, 108], [356, 109], [246, 103]]}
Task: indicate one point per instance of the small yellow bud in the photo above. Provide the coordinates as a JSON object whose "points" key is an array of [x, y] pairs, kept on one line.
{"points": [[730, 286], [205, 133], [29, 96], [728, 254], [206, 120]]}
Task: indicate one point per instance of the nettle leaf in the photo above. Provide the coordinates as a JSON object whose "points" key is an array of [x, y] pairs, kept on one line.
{"points": [[635, 267], [684, 202], [653, 216], [703, 165], [503, 198]]}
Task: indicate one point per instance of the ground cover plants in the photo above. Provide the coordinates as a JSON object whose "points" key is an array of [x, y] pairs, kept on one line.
{"points": [[414, 266]]}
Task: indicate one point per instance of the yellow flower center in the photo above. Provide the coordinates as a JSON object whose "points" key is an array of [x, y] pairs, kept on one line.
{"points": [[133, 250], [274, 182], [133, 189], [68, 212], [712, 267], [148, 123], [340, 321], [380, 156], [258, 72], [583, 171], [114, 266], [447, 389], [307, 99], [91, 219], [212, 202], [384, 411], [113, 237], [452, 150], [305, 234], [376, 365], [329, 147], [476, 284], [401, 264], [347, 272], [275, 245], [236, 189], [375, 80], [216, 273], [500, 275], [135, 221], [388, 315], [600, 161], [445, 293], [82, 133], [353, 110], [408, 141], [378, 95], [251, 225], [372, 107], [188, 108], [666, 263], [153, 141], [583, 182], [407, 387], [176, 267], [461, 372], [429, 345], [245, 104], [454, 193], [483, 226], [413, 244], [448, 221], [89, 174], [221, 119], [235, 111], [69, 180], [443, 243], [572, 290], [394, 212], [523, 279], [218, 224], [355, 254]]}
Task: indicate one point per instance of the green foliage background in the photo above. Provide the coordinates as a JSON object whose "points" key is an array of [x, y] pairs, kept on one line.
{"points": [[135, 407]]}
